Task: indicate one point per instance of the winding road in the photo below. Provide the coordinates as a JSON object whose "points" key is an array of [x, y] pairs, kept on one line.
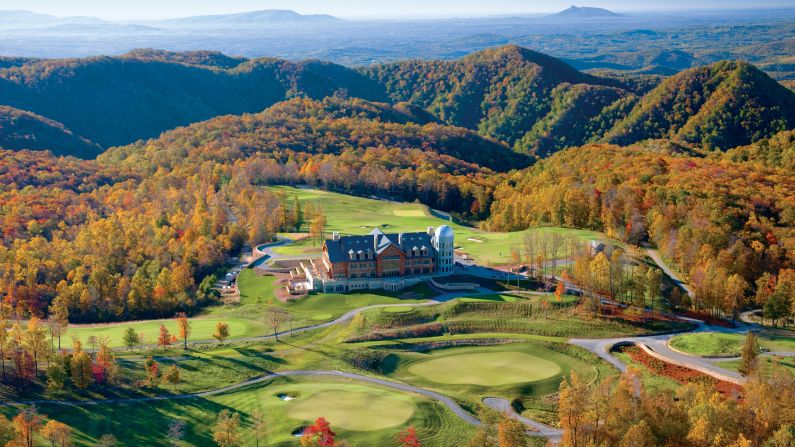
{"points": [[655, 344]]}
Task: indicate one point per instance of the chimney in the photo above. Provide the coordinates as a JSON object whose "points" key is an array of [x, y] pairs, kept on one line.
{"points": [[335, 236], [400, 239], [430, 231]]}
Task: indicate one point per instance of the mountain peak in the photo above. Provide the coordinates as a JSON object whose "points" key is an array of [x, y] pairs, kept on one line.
{"points": [[584, 12]]}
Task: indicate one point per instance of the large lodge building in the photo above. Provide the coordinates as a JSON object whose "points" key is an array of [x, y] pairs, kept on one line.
{"points": [[383, 261]]}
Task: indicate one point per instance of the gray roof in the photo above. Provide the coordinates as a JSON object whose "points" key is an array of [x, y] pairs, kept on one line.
{"points": [[375, 243]]}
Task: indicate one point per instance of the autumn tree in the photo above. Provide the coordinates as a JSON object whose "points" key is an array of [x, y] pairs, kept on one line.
{"points": [[319, 434], [408, 438], [4, 340], [58, 433], [80, 366], [226, 432], [152, 371], [26, 424], [317, 228], [172, 375], [749, 362], [184, 328], [105, 367], [511, 433], [59, 315], [573, 407], [57, 372], [7, 432], [258, 425], [221, 331], [164, 337], [36, 341], [639, 435]]}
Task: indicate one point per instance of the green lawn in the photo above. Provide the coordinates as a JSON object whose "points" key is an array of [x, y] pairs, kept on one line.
{"points": [[256, 296], [766, 364], [362, 414], [651, 381], [509, 370], [201, 329], [356, 215], [719, 344], [486, 368]]}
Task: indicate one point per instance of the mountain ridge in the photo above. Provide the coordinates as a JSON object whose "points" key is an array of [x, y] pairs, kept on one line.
{"points": [[535, 103]]}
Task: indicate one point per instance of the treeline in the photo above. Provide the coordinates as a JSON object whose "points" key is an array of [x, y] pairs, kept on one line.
{"points": [[712, 219], [141, 232], [622, 413]]}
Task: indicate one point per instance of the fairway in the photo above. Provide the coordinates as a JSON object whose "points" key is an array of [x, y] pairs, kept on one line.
{"points": [[358, 215], [355, 410], [201, 329], [487, 368]]}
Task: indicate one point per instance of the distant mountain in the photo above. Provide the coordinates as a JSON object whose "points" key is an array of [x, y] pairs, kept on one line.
{"points": [[24, 130], [249, 19], [28, 19], [503, 92], [117, 100], [719, 106], [532, 102], [585, 12]]}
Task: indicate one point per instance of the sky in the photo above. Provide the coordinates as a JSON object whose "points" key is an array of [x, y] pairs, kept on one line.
{"points": [[157, 9]]}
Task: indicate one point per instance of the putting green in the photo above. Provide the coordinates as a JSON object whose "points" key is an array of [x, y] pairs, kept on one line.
{"points": [[398, 309], [487, 368], [355, 410]]}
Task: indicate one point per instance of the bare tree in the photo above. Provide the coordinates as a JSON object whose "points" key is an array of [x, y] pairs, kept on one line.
{"points": [[276, 317]]}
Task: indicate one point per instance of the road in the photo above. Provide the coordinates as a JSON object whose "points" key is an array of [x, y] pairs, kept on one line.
{"points": [[658, 344], [537, 428], [655, 256]]}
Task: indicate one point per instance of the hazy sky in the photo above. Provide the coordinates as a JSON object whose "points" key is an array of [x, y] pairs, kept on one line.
{"points": [[143, 9]]}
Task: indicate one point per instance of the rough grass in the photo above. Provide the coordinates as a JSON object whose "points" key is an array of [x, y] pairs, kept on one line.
{"points": [[357, 215]]}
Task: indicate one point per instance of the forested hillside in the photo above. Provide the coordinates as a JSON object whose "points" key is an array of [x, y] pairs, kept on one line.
{"points": [[25, 130], [776, 151], [712, 218], [504, 93], [720, 106], [532, 102], [117, 100], [139, 232]]}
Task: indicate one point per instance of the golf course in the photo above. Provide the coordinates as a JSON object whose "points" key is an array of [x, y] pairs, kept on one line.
{"points": [[351, 215], [363, 414]]}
